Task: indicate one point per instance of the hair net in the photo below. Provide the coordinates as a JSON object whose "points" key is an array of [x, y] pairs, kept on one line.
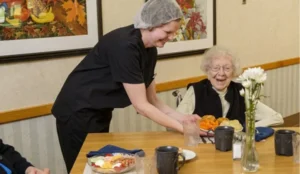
{"points": [[157, 12]]}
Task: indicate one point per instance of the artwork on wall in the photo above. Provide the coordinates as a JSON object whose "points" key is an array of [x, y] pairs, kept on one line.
{"points": [[197, 29], [48, 28]]}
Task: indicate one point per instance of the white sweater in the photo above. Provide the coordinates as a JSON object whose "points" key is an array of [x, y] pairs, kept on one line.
{"points": [[264, 115]]}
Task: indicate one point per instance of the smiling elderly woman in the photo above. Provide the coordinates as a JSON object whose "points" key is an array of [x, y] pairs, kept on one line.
{"points": [[218, 95]]}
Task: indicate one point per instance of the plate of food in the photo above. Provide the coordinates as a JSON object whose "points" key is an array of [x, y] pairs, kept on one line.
{"points": [[209, 123], [233, 123], [112, 163], [188, 154]]}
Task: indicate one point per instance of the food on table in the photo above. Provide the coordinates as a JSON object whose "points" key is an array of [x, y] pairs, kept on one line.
{"points": [[233, 123], [112, 163], [209, 117], [209, 122], [221, 119]]}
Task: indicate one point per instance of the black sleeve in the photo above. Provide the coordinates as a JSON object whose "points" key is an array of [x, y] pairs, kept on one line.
{"points": [[125, 64], [19, 163]]}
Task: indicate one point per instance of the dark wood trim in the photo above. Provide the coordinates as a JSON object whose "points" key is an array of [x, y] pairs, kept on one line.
{"points": [[291, 121], [25, 113], [184, 82]]}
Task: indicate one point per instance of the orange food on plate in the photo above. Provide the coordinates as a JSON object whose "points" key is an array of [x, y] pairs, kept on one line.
{"points": [[209, 122], [209, 117]]}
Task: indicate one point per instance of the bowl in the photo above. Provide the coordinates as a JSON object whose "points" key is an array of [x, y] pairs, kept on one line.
{"points": [[112, 163]]}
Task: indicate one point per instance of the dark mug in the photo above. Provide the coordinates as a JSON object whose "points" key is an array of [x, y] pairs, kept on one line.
{"points": [[283, 142], [167, 160], [223, 138]]}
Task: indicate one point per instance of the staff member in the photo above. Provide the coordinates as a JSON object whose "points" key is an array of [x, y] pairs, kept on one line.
{"points": [[11, 162], [117, 72]]}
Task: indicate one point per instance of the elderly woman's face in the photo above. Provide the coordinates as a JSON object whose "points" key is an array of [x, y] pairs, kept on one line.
{"points": [[161, 35], [220, 72]]}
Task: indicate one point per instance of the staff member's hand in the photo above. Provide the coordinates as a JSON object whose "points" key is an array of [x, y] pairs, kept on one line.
{"points": [[190, 118], [33, 170]]}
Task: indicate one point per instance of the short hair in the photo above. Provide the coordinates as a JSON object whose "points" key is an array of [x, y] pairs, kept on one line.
{"points": [[216, 52]]}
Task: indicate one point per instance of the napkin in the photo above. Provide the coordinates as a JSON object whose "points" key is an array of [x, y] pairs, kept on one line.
{"points": [[115, 149], [263, 133]]}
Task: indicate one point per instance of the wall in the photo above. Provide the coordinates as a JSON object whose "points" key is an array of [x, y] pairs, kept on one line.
{"points": [[259, 32]]}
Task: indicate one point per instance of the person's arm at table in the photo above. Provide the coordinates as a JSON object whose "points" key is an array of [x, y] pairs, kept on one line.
{"points": [[21, 165], [266, 116], [138, 98], [153, 99]]}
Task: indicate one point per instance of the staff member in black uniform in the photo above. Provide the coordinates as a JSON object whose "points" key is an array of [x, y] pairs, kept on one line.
{"points": [[118, 71], [11, 162]]}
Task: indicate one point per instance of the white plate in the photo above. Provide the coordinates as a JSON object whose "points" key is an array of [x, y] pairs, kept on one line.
{"points": [[188, 154], [212, 133]]}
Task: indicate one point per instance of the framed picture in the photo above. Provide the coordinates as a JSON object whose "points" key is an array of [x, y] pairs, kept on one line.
{"points": [[197, 29], [35, 29]]}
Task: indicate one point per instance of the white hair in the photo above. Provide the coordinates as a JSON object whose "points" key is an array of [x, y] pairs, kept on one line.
{"points": [[216, 52]]}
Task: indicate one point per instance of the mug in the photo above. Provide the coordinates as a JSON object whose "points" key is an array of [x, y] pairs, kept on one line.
{"points": [[167, 159], [283, 142], [223, 138]]}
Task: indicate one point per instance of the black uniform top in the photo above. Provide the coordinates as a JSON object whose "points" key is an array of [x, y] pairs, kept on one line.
{"points": [[12, 160], [208, 102], [96, 83]]}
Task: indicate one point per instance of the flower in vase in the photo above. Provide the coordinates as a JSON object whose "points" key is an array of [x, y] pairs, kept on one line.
{"points": [[252, 80]]}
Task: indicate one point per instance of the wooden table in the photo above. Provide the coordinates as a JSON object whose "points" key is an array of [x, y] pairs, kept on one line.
{"points": [[208, 160]]}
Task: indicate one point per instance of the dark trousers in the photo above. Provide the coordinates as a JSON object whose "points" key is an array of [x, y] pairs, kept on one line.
{"points": [[72, 133]]}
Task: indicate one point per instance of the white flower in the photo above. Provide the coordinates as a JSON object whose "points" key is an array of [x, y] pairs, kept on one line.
{"points": [[246, 83], [262, 78], [252, 80], [242, 92], [252, 74]]}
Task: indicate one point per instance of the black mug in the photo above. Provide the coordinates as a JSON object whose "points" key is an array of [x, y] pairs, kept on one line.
{"points": [[223, 138], [283, 142], [167, 160]]}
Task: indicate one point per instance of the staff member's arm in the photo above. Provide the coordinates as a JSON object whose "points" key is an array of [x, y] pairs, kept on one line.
{"points": [[138, 97], [153, 99]]}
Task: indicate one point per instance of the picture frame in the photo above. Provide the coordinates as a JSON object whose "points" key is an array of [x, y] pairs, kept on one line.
{"points": [[82, 30], [199, 18]]}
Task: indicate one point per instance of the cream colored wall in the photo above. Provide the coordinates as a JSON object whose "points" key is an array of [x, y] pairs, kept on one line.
{"points": [[259, 32]]}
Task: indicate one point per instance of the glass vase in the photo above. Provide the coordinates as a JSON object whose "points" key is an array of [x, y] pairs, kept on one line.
{"points": [[249, 160]]}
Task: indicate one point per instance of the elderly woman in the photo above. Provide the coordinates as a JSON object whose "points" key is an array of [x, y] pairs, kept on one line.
{"points": [[219, 95]]}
